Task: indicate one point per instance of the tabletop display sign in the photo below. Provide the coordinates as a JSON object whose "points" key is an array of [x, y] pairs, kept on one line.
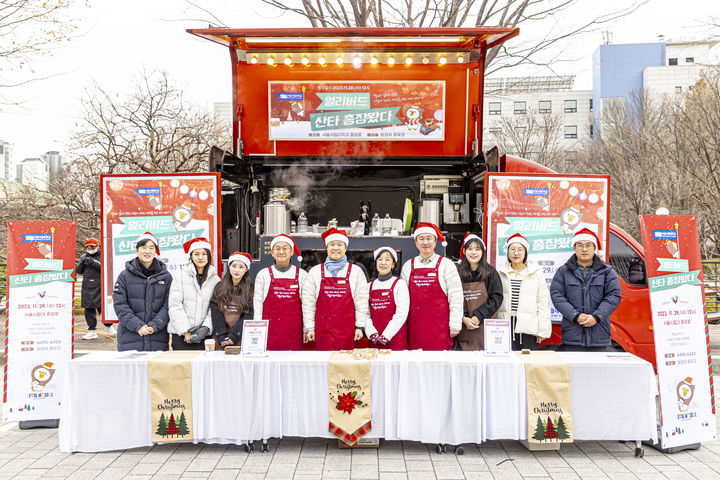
{"points": [[254, 338], [357, 110], [682, 352], [547, 209], [173, 207], [39, 324], [497, 336]]}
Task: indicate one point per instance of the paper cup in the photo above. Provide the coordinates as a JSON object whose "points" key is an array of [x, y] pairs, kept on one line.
{"points": [[209, 345]]}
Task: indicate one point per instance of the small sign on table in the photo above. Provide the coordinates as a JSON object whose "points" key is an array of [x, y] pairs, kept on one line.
{"points": [[497, 336], [254, 338]]}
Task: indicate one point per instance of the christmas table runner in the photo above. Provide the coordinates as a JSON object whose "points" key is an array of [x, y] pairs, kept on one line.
{"points": [[349, 393], [547, 379], [169, 376]]}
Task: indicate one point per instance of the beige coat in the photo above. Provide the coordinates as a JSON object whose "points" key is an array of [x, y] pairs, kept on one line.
{"points": [[533, 315]]}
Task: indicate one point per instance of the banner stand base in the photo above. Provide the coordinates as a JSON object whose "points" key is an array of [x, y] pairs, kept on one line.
{"points": [[671, 450], [47, 423]]}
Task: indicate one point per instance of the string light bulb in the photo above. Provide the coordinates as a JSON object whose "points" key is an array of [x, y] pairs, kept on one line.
{"points": [[253, 60], [408, 60], [357, 62], [460, 59], [443, 60], [391, 60], [288, 60], [270, 60], [374, 60], [339, 60], [305, 60], [322, 60], [426, 60]]}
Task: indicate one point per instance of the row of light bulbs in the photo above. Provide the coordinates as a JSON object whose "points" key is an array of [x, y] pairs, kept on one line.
{"points": [[356, 61]]}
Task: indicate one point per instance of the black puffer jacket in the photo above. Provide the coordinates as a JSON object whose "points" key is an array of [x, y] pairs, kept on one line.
{"points": [[141, 300], [89, 267]]}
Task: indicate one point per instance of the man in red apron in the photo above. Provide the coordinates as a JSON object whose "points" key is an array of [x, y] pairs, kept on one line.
{"points": [[335, 299], [436, 294], [277, 297]]}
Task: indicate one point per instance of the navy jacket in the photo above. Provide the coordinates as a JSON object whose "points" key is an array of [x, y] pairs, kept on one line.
{"points": [[89, 267], [599, 295], [141, 300]]}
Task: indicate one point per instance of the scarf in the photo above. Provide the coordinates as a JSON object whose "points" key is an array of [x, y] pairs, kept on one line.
{"points": [[334, 266]]}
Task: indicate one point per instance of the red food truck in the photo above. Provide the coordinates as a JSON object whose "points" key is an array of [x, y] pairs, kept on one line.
{"points": [[375, 129]]}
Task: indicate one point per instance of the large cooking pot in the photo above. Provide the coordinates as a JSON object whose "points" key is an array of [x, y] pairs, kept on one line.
{"points": [[276, 218]]}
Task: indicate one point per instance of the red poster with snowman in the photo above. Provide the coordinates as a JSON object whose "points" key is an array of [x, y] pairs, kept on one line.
{"points": [[39, 324], [547, 209], [173, 207]]}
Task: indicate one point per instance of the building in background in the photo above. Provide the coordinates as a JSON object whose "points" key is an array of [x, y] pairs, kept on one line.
{"points": [[6, 171], [34, 172], [222, 111]]}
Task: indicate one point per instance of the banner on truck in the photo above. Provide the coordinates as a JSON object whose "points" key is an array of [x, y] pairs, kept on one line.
{"points": [[547, 209], [39, 326], [682, 351], [175, 207], [357, 110]]}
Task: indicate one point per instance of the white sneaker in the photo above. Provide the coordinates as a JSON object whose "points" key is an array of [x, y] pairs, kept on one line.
{"points": [[91, 335], [111, 330]]}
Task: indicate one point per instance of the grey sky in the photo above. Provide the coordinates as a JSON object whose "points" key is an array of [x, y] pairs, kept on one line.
{"points": [[121, 38]]}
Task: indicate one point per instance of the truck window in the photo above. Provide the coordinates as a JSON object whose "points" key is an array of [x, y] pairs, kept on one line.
{"points": [[626, 262]]}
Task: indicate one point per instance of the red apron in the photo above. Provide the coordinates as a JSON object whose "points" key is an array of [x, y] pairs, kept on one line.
{"points": [[429, 316], [382, 309], [283, 308], [335, 313]]}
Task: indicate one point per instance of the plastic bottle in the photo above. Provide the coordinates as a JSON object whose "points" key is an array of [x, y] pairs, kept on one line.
{"points": [[375, 225], [302, 223], [332, 223], [386, 224]]}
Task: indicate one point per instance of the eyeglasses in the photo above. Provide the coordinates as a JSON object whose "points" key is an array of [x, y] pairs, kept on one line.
{"points": [[585, 246]]}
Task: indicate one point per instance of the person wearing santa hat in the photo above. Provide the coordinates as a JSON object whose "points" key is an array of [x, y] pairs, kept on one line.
{"points": [[389, 302], [586, 291], [436, 294], [90, 296], [190, 294], [278, 296], [231, 303], [140, 299], [526, 300], [482, 290], [335, 299]]}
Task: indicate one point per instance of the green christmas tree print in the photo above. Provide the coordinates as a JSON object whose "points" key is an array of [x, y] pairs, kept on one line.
{"points": [[562, 429], [539, 430], [182, 425], [162, 426]]}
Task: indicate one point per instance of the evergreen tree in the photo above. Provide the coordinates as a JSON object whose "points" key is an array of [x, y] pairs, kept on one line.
{"points": [[162, 426], [172, 429], [550, 432], [539, 430], [182, 425], [562, 429]]}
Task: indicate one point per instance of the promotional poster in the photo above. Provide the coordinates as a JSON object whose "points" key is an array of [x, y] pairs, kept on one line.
{"points": [[675, 279], [38, 347], [547, 210], [175, 208], [357, 110]]}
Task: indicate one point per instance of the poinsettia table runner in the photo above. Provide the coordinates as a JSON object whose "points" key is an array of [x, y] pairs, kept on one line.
{"points": [[547, 379], [169, 375], [349, 393]]}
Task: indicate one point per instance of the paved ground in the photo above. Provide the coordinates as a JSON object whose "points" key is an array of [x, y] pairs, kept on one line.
{"points": [[34, 454]]}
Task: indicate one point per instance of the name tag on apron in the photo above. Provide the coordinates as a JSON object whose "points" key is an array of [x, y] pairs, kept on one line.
{"points": [[341, 282], [385, 294], [293, 286], [431, 274]]}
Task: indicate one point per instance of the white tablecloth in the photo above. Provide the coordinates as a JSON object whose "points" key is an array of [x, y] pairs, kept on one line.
{"points": [[432, 397]]}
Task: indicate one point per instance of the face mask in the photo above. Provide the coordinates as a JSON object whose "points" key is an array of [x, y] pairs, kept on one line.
{"points": [[92, 251]]}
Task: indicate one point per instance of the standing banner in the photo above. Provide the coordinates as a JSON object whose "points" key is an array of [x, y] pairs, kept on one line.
{"points": [[547, 209], [174, 207], [682, 349], [357, 110], [39, 323]]}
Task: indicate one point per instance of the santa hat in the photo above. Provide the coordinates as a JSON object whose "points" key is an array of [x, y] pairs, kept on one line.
{"points": [[241, 256], [390, 250], [284, 238], [586, 235], [195, 244], [469, 238], [92, 241], [149, 236], [517, 238], [427, 227], [335, 234]]}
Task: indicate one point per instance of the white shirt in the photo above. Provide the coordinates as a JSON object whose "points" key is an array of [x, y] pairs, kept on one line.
{"points": [[358, 289], [402, 306], [449, 282], [262, 285]]}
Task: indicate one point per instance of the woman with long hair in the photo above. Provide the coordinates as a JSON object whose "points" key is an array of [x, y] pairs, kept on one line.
{"points": [[526, 297], [482, 291], [190, 294], [232, 300]]}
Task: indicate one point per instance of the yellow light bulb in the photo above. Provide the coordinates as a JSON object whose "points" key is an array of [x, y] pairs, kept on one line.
{"points": [[374, 60], [339, 60], [288, 60], [460, 59], [391, 60], [253, 60], [304, 60], [426, 60], [322, 60], [270, 60], [408, 60], [443, 60]]}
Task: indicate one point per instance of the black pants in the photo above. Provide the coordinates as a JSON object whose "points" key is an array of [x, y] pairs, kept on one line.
{"points": [[91, 318], [178, 343], [524, 340], [580, 348]]}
